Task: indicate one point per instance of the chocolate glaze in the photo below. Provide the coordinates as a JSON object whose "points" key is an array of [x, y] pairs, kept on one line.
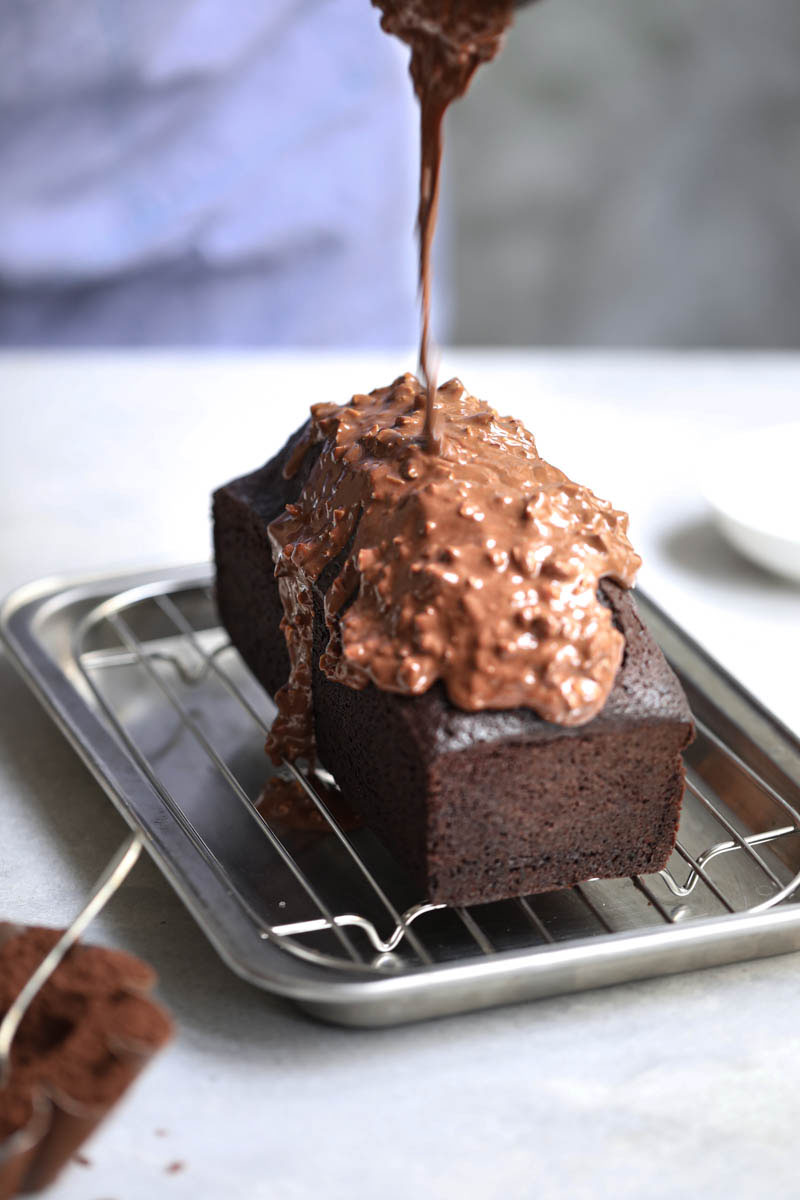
{"points": [[287, 809], [478, 566], [449, 40]]}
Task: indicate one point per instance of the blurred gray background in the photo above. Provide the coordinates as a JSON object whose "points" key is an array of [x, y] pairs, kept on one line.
{"points": [[628, 173], [218, 172]]}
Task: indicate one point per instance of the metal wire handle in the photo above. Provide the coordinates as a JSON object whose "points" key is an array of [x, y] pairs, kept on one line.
{"points": [[113, 876]]}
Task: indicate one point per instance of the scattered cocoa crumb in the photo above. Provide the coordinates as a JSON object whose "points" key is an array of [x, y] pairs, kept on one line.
{"points": [[82, 1159], [175, 1167], [162, 1132]]}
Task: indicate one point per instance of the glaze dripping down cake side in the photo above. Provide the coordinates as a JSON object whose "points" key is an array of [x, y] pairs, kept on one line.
{"points": [[448, 754]]}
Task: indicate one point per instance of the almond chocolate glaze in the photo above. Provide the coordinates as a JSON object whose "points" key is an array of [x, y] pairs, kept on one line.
{"points": [[478, 565], [449, 40]]}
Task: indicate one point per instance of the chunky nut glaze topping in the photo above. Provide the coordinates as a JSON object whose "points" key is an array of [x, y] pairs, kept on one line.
{"points": [[478, 566], [449, 40]]}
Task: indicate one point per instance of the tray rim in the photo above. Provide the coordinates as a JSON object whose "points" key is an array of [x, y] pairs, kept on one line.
{"points": [[364, 999]]}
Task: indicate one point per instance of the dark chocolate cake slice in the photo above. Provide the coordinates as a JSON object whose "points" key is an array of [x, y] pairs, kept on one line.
{"points": [[478, 805], [86, 1036]]}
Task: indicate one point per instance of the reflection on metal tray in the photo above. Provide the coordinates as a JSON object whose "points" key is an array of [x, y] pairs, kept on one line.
{"points": [[301, 900]]}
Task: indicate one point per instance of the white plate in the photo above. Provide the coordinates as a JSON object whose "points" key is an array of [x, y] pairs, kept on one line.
{"points": [[752, 482]]}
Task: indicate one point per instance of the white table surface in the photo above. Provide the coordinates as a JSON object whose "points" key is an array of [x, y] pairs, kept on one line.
{"points": [[667, 1088]]}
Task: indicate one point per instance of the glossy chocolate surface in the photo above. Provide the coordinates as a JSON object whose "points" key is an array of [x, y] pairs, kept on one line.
{"points": [[478, 566]]}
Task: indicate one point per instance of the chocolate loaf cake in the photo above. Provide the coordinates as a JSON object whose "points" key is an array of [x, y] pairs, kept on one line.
{"points": [[479, 799]]}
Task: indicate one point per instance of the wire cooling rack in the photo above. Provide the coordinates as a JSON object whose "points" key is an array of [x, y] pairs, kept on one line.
{"points": [[184, 660], [275, 862]]}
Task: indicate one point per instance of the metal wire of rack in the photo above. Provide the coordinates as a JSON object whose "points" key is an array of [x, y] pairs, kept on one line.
{"points": [[201, 707]]}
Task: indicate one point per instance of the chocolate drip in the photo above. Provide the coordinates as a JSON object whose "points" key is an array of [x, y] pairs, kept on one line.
{"points": [[449, 40], [478, 567]]}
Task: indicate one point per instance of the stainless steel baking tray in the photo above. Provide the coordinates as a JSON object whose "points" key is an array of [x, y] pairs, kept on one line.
{"points": [[142, 680]]}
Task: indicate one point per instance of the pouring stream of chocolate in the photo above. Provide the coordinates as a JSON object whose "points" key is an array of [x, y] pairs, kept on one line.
{"points": [[449, 39]]}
